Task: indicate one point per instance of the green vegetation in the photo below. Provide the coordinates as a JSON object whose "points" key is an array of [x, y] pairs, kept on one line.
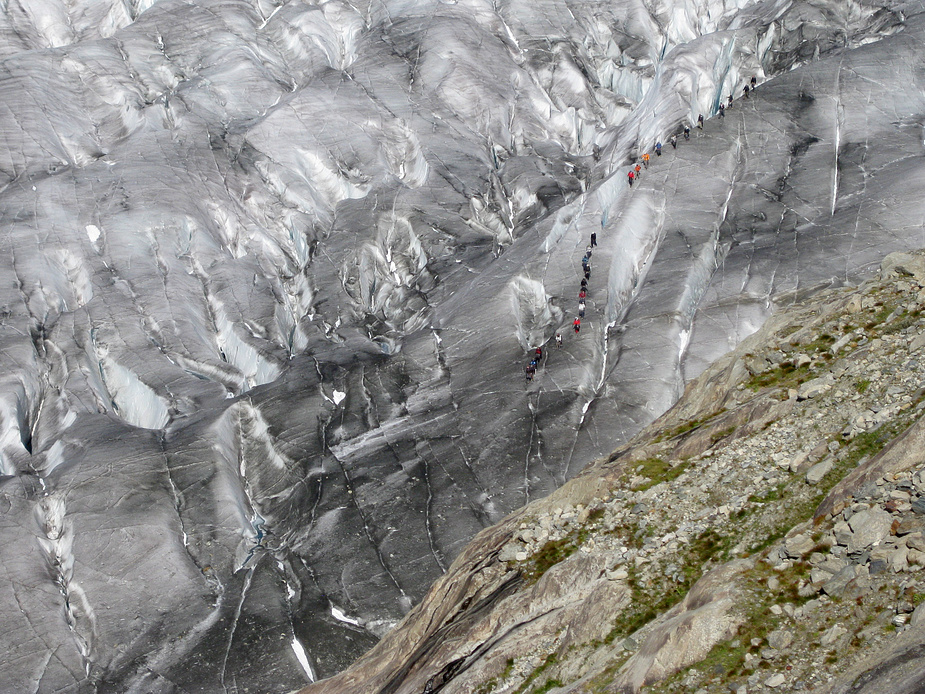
{"points": [[785, 375], [547, 663], [660, 595], [721, 434], [686, 427], [555, 551], [862, 385], [551, 554], [727, 660], [547, 686], [658, 470], [489, 686], [901, 322]]}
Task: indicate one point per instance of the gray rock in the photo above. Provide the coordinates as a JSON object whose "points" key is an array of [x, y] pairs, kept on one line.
{"points": [[842, 533], [868, 527], [835, 586], [775, 680], [918, 615], [910, 525], [814, 387], [798, 545], [780, 639], [510, 551], [832, 635], [918, 505], [903, 264], [815, 474]]}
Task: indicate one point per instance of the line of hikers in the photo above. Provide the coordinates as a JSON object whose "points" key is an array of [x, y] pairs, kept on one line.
{"points": [[576, 324], [634, 172]]}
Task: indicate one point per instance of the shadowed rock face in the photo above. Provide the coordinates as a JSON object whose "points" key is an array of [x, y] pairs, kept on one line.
{"points": [[271, 273]]}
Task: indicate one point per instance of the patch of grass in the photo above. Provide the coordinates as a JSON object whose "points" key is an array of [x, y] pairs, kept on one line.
{"points": [[686, 427], [902, 321], [547, 663], [879, 317], [727, 660], [658, 470], [862, 385], [600, 684], [489, 686], [650, 601], [820, 344], [772, 494], [785, 375], [723, 433], [551, 554], [547, 686]]}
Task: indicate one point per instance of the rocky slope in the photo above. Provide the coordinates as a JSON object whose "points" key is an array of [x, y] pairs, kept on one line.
{"points": [[767, 533]]}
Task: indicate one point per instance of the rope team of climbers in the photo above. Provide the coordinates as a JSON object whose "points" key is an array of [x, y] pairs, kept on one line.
{"points": [[634, 173]]}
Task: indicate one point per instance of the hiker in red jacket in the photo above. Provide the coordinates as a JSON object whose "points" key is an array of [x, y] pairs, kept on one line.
{"points": [[577, 325], [630, 177]]}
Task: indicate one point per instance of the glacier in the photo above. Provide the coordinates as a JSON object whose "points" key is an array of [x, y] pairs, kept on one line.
{"points": [[272, 271]]}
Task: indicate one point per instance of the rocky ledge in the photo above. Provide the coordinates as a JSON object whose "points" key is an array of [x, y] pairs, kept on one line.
{"points": [[766, 534]]}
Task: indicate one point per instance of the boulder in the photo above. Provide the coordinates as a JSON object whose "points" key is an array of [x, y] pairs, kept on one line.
{"points": [[835, 586], [815, 474], [798, 545], [916, 541], [903, 264], [814, 387], [775, 680], [780, 639], [830, 636], [868, 527]]}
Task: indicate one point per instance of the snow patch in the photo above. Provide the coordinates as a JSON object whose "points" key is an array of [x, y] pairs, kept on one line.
{"points": [[341, 616], [302, 657]]}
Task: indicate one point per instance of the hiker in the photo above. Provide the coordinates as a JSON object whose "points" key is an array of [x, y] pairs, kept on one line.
{"points": [[584, 283], [673, 141], [577, 325], [658, 149], [700, 121], [645, 160], [730, 101], [581, 309], [754, 82], [582, 294], [630, 176], [687, 132], [530, 371], [745, 89], [593, 239], [539, 354], [722, 110], [587, 272], [558, 340]]}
